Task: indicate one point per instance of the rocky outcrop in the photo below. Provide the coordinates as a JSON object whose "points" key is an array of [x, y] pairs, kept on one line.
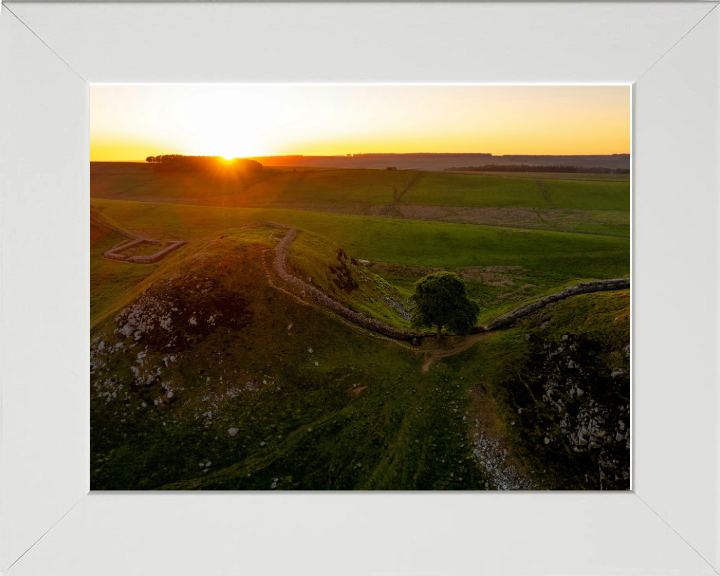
{"points": [[583, 409]]}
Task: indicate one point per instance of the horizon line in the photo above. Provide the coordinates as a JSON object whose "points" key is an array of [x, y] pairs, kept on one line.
{"points": [[486, 154]]}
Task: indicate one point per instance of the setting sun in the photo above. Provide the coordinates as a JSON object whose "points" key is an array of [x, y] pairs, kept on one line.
{"points": [[132, 122]]}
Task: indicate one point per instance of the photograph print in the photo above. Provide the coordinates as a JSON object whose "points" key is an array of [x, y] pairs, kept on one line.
{"points": [[360, 287]]}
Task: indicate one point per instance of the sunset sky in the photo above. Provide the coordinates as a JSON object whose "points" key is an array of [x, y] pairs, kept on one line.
{"points": [[133, 122]]}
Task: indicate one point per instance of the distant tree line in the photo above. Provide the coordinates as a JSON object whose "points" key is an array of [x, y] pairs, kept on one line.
{"points": [[419, 154], [531, 168], [181, 163]]}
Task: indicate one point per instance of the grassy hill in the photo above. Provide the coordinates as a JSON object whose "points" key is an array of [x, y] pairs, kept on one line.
{"points": [[210, 378], [206, 377]]}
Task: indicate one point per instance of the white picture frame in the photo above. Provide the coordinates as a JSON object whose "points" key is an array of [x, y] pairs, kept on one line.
{"points": [[49, 522]]}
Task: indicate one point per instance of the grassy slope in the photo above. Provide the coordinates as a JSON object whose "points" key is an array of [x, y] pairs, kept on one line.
{"points": [[114, 282], [340, 276], [397, 430], [269, 187]]}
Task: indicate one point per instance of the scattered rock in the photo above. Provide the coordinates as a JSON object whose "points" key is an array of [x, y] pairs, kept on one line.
{"points": [[232, 432]]}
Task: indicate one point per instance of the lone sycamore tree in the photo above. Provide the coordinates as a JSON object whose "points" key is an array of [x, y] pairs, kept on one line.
{"points": [[441, 300]]}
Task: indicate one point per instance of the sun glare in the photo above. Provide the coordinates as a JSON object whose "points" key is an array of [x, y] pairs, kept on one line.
{"points": [[246, 121]]}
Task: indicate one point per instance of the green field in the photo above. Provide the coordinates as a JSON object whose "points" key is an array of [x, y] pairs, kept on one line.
{"points": [[331, 186], [551, 175], [589, 195], [441, 189], [588, 207], [435, 188], [272, 186], [408, 242], [207, 357]]}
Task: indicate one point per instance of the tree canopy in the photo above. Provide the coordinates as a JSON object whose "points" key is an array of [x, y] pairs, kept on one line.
{"points": [[181, 163], [441, 300]]}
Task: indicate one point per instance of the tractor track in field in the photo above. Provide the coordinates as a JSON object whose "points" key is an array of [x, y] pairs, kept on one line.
{"points": [[391, 207], [544, 190]]}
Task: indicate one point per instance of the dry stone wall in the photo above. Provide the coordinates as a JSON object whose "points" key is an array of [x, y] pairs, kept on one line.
{"points": [[279, 265], [372, 324], [582, 288], [116, 252], [158, 255]]}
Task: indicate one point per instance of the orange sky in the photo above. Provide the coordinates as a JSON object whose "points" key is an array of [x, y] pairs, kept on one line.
{"points": [[133, 122]]}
